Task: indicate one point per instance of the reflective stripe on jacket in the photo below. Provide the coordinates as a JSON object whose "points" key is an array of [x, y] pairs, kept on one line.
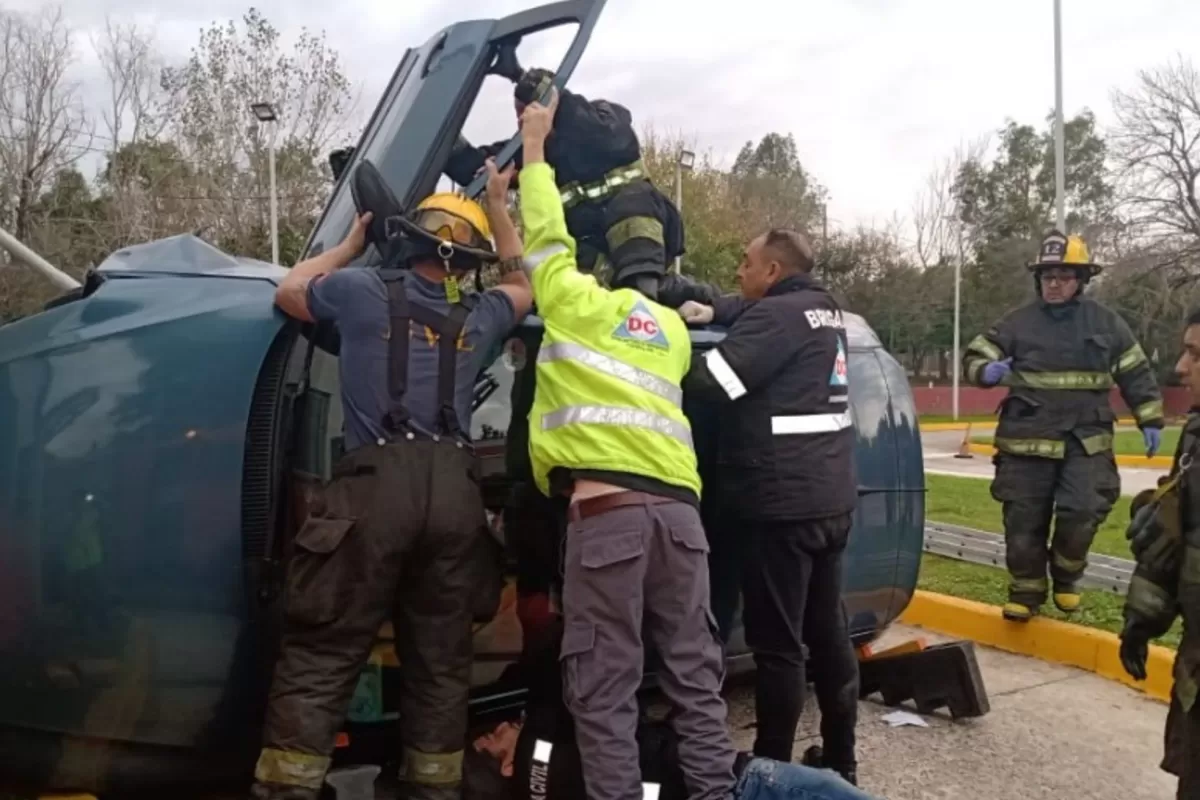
{"points": [[1065, 361]]}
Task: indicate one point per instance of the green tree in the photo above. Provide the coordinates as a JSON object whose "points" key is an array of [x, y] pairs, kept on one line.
{"points": [[773, 187], [1006, 206]]}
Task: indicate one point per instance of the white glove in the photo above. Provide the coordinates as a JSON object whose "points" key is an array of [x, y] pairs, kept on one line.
{"points": [[694, 313]]}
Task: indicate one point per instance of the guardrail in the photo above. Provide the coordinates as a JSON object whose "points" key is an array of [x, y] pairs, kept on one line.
{"points": [[980, 547]]}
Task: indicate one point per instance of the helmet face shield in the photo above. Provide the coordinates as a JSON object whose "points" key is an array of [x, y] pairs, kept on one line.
{"points": [[450, 228]]}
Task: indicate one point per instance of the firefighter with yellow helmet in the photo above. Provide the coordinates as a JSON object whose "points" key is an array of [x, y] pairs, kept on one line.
{"points": [[399, 528], [1059, 356]]}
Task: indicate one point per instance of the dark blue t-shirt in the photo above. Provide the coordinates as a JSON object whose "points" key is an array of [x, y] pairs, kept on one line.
{"points": [[355, 299]]}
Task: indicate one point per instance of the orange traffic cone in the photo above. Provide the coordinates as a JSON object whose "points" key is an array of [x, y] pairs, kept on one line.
{"points": [[964, 449]]}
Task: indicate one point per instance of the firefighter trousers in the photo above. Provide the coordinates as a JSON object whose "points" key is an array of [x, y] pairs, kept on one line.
{"points": [[1182, 757], [639, 573], [637, 229], [397, 532], [792, 595], [1077, 492]]}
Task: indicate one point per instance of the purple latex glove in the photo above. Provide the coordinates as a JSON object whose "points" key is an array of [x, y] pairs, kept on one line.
{"points": [[995, 371]]}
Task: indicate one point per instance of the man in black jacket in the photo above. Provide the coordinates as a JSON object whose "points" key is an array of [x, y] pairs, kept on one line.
{"points": [[785, 482]]}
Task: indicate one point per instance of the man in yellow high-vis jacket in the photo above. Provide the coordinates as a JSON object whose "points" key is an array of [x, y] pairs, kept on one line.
{"points": [[608, 430]]}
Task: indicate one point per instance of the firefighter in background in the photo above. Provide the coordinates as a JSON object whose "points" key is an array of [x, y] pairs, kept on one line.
{"points": [[1059, 356], [626, 230], [1165, 540]]}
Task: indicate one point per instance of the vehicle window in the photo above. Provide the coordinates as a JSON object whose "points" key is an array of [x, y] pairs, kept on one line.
{"points": [[321, 441], [493, 118], [493, 393], [399, 97]]}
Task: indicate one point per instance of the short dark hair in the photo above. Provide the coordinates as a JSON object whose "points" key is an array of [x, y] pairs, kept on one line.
{"points": [[791, 249], [1193, 318]]}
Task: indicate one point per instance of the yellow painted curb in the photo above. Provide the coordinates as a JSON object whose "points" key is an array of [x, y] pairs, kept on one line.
{"points": [[1045, 639], [934, 427], [1157, 462]]}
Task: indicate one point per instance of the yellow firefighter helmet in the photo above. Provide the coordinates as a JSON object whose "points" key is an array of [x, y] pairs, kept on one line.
{"points": [[454, 219], [1060, 250]]}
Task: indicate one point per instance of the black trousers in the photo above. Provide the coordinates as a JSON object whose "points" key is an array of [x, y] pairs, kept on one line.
{"points": [[792, 593], [399, 532]]}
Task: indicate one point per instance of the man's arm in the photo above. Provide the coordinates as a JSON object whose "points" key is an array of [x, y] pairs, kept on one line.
{"points": [[292, 294], [549, 249], [513, 281], [1136, 380], [751, 354], [995, 345]]}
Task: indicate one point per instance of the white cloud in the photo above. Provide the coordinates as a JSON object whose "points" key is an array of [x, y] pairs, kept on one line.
{"points": [[875, 91]]}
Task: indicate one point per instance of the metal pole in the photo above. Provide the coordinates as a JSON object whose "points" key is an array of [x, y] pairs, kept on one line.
{"points": [[957, 316], [31, 259], [274, 202], [678, 203], [1059, 146]]}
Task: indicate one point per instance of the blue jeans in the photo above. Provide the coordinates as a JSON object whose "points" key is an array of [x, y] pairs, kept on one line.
{"points": [[765, 779]]}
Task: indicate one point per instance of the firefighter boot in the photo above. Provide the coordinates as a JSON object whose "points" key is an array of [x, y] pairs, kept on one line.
{"points": [[1019, 612], [1067, 599]]}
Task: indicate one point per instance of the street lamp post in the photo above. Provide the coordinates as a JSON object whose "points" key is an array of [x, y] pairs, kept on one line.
{"points": [[954, 366], [1059, 145], [685, 160], [957, 325], [265, 113]]}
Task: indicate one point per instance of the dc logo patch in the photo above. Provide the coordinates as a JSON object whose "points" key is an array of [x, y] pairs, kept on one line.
{"points": [[840, 375], [641, 327]]}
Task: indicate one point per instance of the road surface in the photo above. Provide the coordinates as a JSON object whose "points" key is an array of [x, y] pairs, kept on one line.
{"points": [[1052, 732], [940, 448]]}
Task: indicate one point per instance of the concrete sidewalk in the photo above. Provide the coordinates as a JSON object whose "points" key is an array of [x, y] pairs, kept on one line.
{"points": [[1053, 732], [940, 447]]}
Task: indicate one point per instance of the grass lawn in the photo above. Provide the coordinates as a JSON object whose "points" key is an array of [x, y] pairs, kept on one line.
{"points": [[1125, 443], [968, 502]]}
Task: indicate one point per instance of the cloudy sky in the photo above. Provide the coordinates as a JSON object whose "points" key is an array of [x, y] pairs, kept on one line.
{"points": [[875, 91]]}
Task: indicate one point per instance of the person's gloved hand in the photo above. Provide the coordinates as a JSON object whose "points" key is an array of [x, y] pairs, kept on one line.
{"points": [[1153, 439], [694, 313], [995, 371], [1135, 649]]}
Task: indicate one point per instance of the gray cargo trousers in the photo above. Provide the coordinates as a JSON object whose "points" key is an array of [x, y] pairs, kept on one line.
{"points": [[638, 572]]}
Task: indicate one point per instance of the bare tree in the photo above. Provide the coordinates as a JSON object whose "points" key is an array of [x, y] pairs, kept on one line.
{"points": [[133, 66], [232, 67], [43, 125], [136, 116], [940, 234], [1156, 148]]}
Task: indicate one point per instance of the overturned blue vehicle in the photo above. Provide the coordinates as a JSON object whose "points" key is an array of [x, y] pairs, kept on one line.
{"points": [[159, 428]]}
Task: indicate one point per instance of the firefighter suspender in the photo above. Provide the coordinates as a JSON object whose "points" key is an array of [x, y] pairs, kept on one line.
{"points": [[448, 328]]}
